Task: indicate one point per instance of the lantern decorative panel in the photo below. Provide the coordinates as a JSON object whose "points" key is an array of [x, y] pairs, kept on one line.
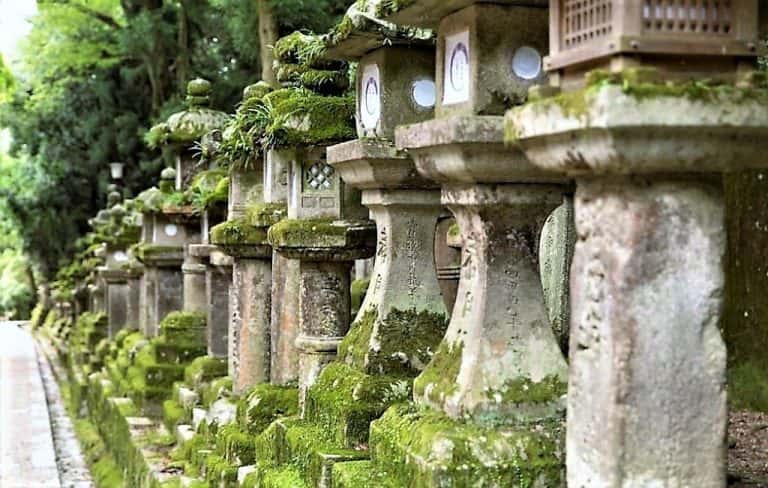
{"points": [[587, 34]]}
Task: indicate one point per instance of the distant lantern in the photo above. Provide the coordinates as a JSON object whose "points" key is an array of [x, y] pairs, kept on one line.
{"points": [[682, 37], [116, 170]]}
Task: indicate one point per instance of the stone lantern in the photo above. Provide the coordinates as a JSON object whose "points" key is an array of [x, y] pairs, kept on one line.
{"points": [[499, 373], [113, 273], [254, 344], [161, 251], [684, 39], [403, 317], [647, 141], [185, 128]]}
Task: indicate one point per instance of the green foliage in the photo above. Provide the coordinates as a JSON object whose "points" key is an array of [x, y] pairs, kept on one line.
{"points": [[7, 82]]}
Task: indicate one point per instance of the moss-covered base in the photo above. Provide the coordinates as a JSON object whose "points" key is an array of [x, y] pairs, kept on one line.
{"points": [[424, 448], [401, 344], [344, 401]]}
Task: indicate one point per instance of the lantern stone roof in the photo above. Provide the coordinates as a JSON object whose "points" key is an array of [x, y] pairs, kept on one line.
{"points": [[429, 13], [362, 30], [198, 119]]}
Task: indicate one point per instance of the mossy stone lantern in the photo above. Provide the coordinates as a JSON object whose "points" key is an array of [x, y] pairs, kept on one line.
{"points": [[161, 251], [188, 126], [395, 70], [648, 140], [688, 39], [488, 53]]}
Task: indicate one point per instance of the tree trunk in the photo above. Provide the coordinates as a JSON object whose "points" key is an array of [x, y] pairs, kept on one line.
{"points": [[182, 62], [268, 35]]}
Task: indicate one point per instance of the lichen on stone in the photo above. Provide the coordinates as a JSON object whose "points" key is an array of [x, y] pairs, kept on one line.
{"points": [[401, 343]]}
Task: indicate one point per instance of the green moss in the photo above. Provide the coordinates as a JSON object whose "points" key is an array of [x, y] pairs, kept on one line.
{"points": [[305, 118], [184, 327], [357, 292], [440, 375], [204, 369], [264, 404], [215, 390], [235, 445], [405, 339], [220, 472], [149, 252], [173, 414], [642, 83], [265, 214], [454, 231], [302, 233], [288, 477], [300, 48], [344, 401], [104, 470], [238, 233], [524, 390], [208, 188], [426, 448]]}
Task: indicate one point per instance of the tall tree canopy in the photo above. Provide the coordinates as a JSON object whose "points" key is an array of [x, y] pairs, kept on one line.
{"points": [[93, 75]]}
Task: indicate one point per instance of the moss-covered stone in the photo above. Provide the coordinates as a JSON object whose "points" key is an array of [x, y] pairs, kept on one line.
{"points": [[184, 327], [238, 233], [400, 344], [173, 414], [265, 403], [318, 234], [265, 214], [215, 390], [439, 377], [424, 448], [204, 369], [356, 474], [344, 401], [150, 252], [220, 472]]}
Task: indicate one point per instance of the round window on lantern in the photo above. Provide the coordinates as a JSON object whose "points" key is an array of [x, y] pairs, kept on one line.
{"points": [[171, 230], [526, 63], [424, 93]]}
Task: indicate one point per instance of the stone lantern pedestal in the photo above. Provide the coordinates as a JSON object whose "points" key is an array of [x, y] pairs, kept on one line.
{"points": [[647, 359], [324, 233], [253, 341], [117, 296], [134, 271], [499, 374]]}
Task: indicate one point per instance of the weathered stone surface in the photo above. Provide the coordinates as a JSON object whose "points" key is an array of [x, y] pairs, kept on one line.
{"points": [[194, 297], [395, 86], [402, 317], [218, 286], [647, 359], [117, 307], [428, 13], [285, 320], [467, 149], [558, 239], [246, 187], [488, 55], [499, 360], [324, 316], [603, 129], [249, 334]]}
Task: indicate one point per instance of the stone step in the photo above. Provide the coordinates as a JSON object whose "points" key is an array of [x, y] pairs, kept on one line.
{"points": [[184, 433]]}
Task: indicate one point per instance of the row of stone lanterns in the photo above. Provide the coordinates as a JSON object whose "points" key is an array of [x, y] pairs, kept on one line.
{"points": [[618, 112]]}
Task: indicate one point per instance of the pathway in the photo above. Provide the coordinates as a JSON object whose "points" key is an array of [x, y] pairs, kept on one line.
{"points": [[28, 444]]}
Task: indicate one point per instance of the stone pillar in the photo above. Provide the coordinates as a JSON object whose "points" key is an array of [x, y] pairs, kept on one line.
{"points": [[194, 269], [117, 296], [647, 359], [403, 317], [285, 278], [134, 276], [244, 238], [327, 249], [249, 336], [324, 315], [218, 285], [557, 242]]}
